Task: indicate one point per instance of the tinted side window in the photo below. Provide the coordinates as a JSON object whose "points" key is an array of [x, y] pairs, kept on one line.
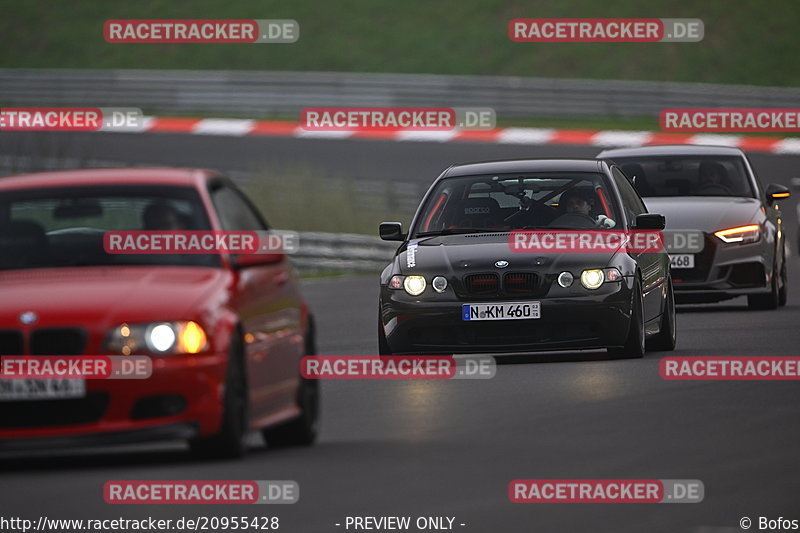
{"points": [[234, 213], [759, 186], [630, 198]]}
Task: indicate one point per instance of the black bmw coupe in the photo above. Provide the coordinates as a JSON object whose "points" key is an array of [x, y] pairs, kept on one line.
{"points": [[527, 255]]}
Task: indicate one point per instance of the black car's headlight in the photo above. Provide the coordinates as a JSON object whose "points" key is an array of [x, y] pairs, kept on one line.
{"points": [[565, 279], [439, 284], [413, 285], [594, 278], [180, 337], [740, 234]]}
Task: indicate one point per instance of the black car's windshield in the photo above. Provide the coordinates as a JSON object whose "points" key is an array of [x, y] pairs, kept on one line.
{"points": [[688, 175], [555, 200], [45, 228]]}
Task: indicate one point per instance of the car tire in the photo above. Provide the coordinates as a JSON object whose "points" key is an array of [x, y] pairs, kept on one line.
{"points": [[635, 341], [229, 442], [665, 339], [769, 301], [302, 430], [783, 292], [383, 344]]}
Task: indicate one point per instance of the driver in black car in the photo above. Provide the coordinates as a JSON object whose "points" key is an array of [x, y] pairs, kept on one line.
{"points": [[576, 202], [577, 205]]}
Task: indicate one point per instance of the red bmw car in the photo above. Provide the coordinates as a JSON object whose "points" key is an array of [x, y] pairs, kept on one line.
{"points": [[224, 333]]}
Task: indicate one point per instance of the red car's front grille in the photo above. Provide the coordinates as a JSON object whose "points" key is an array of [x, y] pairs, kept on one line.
{"points": [[482, 284], [11, 342], [58, 341], [44, 341]]}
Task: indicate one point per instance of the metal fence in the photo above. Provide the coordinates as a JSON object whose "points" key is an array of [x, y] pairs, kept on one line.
{"points": [[342, 251], [250, 93], [286, 93]]}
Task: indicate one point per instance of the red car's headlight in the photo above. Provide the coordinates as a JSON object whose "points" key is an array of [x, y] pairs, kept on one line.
{"points": [[181, 337]]}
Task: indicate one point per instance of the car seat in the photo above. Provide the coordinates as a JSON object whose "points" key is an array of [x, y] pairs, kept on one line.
{"points": [[479, 213]]}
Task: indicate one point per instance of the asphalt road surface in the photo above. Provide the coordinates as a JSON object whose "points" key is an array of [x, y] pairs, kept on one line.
{"points": [[450, 448]]}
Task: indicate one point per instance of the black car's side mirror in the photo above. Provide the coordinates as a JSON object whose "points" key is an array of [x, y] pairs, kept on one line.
{"points": [[392, 231], [777, 192], [650, 221]]}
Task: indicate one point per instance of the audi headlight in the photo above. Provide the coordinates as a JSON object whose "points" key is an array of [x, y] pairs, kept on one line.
{"points": [[414, 285], [181, 337], [740, 235]]}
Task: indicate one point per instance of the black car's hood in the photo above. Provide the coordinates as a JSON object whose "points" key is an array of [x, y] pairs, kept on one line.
{"points": [[704, 213], [480, 251]]}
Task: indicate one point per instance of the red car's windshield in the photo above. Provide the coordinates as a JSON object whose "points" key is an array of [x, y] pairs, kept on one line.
{"points": [[45, 228]]}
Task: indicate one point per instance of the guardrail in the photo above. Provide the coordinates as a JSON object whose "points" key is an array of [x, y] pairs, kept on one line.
{"points": [[342, 251], [252, 93]]}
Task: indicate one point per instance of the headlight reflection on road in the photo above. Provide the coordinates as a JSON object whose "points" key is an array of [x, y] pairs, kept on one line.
{"points": [[598, 382], [422, 407]]}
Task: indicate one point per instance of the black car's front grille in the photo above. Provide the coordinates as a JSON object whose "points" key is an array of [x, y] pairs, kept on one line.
{"points": [[61, 412], [520, 283], [482, 284], [58, 341], [11, 342], [513, 284]]}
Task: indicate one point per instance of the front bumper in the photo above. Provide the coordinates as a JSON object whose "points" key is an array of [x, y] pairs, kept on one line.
{"points": [[724, 271], [587, 321], [182, 431], [181, 399]]}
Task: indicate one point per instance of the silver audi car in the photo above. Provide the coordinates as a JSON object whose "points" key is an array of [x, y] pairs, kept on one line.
{"points": [[724, 229]]}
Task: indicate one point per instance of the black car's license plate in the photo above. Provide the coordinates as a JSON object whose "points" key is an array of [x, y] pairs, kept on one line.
{"points": [[501, 311]]}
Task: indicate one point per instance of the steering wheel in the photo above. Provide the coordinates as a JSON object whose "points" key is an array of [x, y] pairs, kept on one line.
{"points": [[575, 220], [532, 208]]}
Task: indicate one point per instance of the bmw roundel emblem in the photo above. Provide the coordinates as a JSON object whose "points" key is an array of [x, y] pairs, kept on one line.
{"points": [[501, 264], [28, 317]]}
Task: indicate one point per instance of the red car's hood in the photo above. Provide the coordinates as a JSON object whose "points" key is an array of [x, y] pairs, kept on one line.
{"points": [[93, 296]]}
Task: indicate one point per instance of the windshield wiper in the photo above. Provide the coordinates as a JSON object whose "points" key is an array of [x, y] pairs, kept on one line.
{"points": [[456, 231]]}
